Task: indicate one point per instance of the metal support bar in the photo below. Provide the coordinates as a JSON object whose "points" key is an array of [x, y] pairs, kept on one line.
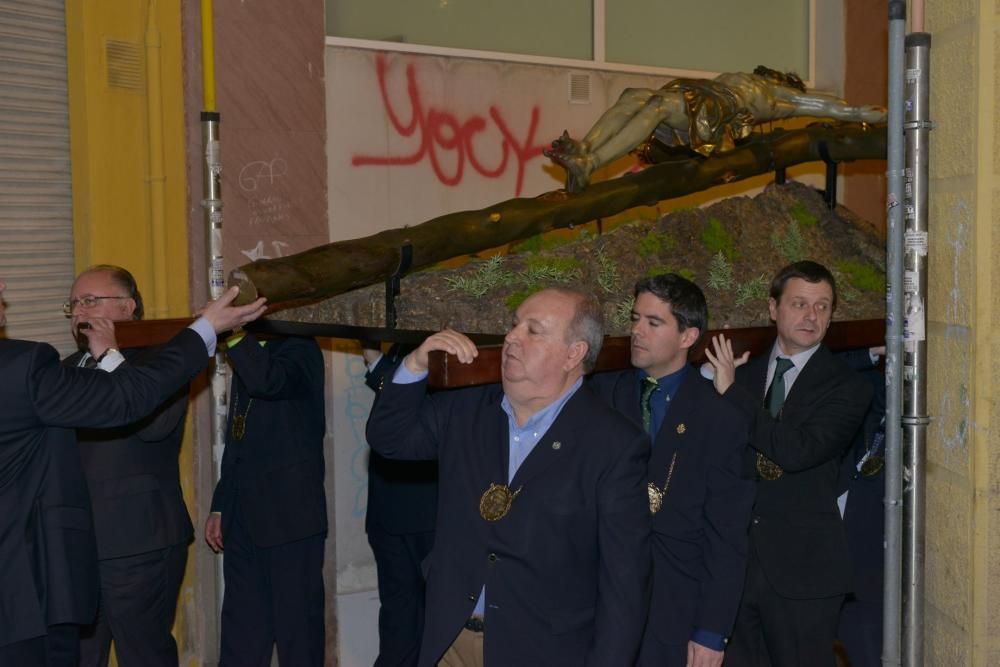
{"points": [[892, 594], [392, 284], [916, 128], [830, 196], [780, 175]]}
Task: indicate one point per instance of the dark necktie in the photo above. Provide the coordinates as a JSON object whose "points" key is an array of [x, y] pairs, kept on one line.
{"points": [[775, 396], [649, 385], [90, 362]]}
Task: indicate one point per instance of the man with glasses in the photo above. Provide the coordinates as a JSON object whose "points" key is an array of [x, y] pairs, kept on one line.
{"points": [[140, 520], [48, 559]]}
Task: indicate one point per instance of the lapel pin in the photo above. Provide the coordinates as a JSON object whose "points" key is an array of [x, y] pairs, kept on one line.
{"points": [[681, 428], [556, 444]]}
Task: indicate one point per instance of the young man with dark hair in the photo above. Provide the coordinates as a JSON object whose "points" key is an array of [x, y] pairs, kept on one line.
{"points": [[804, 407], [699, 492]]}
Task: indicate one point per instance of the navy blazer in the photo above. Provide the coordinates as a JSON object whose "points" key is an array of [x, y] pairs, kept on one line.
{"points": [[275, 473], [864, 516], [796, 530], [134, 479], [402, 495], [48, 558], [567, 570], [700, 533]]}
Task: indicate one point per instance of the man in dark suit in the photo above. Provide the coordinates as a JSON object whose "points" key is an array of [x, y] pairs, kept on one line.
{"points": [[269, 507], [48, 558], [804, 407], [399, 521], [541, 553], [699, 489], [140, 520]]}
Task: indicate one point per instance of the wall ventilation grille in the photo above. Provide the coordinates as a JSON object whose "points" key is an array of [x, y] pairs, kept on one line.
{"points": [[125, 64], [579, 88]]}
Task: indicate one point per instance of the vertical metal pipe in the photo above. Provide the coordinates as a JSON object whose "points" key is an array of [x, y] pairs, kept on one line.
{"points": [[212, 214], [917, 128], [892, 597]]}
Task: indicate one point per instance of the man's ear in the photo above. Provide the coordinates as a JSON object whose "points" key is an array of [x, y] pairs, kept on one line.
{"points": [[576, 354], [130, 307], [689, 337], [772, 307]]}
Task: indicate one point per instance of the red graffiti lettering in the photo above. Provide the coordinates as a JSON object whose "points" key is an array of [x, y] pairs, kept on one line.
{"points": [[440, 132]]}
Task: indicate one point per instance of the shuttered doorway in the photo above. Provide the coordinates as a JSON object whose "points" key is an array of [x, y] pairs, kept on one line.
{"points": [[36, 226]]}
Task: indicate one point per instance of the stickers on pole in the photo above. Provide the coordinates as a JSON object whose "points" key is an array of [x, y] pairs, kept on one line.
{"points": [[914, 241]]}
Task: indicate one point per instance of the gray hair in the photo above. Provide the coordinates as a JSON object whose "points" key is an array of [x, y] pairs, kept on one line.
{"points": [[587, 323]]}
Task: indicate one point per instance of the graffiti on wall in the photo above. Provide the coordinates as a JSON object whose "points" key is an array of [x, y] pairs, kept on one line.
{"points": [[441, 132]]}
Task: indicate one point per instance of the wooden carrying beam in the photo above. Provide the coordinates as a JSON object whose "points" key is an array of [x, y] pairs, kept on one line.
{"points": [[447, 372]]}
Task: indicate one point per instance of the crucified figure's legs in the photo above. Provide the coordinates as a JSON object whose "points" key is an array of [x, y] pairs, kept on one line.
{"points": [[619, 129]]}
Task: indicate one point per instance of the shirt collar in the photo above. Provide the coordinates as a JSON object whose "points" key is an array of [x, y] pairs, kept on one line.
{"points": [[799, 360], [668, 384], [542, 419]]}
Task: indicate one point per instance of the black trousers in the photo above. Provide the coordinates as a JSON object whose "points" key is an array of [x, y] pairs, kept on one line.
{"points": [[273, 595], [775, 631], [59, 648], [655, 653], [400, 594], [138, 603], [860, 630]]}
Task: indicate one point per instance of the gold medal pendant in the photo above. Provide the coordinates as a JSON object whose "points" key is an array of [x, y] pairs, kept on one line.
{"points": [[767, 468], [872, 465], [496, 501], [239, 426], [655, 498]]}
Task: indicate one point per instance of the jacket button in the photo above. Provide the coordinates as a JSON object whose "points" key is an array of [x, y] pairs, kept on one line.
{"points": [[473, 598], [492, 558], [756, 520]]}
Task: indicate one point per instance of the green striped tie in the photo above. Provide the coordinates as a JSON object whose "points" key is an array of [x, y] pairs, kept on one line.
{"points": [[649, 385]]}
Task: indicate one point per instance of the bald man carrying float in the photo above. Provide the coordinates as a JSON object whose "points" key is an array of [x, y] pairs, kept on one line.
{"points": [[541, 555]]}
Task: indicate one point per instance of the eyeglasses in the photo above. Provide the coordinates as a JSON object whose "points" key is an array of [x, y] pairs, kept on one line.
{"points": [[88, 301]]}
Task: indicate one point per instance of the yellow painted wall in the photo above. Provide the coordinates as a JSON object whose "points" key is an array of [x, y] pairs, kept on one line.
{"points": [[128, 170], [962, 604], [114, 177]]}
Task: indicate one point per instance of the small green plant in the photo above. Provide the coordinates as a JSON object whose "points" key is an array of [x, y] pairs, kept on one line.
{"points": [[532, 244], [790, 245], [660, 270], [801, 215], [862, 276], [754, 290], [607, 273], [542, 270], [717, 239], [621, 316], [654, 243], [540, 243], [720, 272], [518, 297], [489, 275]]}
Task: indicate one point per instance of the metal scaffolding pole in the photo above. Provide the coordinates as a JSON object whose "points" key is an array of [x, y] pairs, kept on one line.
{"points": [[917, 128], [892, 595]]}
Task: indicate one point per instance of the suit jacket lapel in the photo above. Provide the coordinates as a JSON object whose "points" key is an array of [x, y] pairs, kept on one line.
{"points": [[498, 443], [811, 375], [755, 375], [627, 395], [682, 405]]}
